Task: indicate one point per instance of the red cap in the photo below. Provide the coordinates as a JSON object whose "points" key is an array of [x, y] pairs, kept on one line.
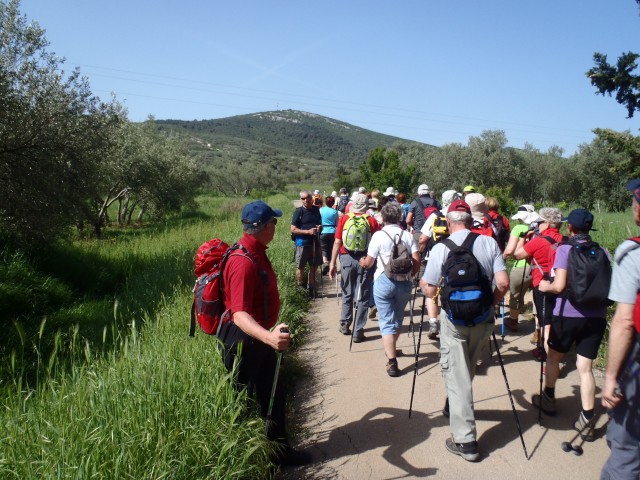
{"points": [[459, 206]]}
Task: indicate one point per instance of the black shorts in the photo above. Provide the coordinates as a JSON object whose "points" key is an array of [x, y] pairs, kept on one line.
{"points": [[587, 334]]}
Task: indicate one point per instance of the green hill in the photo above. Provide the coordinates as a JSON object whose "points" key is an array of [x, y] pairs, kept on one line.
{"points": [[290, 143]]}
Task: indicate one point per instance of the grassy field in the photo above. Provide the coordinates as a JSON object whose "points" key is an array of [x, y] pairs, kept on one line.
{"points": [[99, 376]]}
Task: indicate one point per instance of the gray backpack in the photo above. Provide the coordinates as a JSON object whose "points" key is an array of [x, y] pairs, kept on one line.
{"points": [[400, 262]]}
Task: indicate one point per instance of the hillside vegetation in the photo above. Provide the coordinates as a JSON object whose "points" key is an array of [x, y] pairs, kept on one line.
{"points": [[268, 150]]}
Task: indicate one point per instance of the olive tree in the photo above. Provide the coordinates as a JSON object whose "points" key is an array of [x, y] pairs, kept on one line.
{"points": [[52, 129]]}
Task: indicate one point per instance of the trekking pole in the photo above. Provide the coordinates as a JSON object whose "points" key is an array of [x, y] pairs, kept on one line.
{"points": [[577, 449], [273, 387], [502, 305], [356, 304], [417, 349], [337, 290], [321, 279], [513, 406], [412, 327]]}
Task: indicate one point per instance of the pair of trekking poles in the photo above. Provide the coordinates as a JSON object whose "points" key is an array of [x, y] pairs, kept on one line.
{"points": [[497, 347]]}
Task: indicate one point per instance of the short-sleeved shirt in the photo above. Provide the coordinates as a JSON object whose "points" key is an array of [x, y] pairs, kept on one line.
{"points": [[570, 310], [381, 245], [329, 220], [538, 249], [375, 226], [245, 285], [516, 232], [417, 208], [485, 249], [306, 219], [625, 279]]}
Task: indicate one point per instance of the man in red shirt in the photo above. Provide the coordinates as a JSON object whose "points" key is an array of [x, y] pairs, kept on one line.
{"points": [[252, 300], [538, 247]]}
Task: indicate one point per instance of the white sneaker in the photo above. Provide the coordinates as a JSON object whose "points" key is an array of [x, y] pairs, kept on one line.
{"points": [[434, 328]]}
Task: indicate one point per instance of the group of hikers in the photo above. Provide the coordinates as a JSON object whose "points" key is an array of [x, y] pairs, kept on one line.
{"points": [[455, 253]]}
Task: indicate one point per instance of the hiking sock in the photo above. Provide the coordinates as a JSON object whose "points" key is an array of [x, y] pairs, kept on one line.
{"points": [[551, 392], [588, 414]]}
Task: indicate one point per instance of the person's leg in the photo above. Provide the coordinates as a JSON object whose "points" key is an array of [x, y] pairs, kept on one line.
{"points": [[364, 288], [389, 343], [587, 382], [553, 368], [301, 261], [383, 291], [456, 371], [349, 275]]}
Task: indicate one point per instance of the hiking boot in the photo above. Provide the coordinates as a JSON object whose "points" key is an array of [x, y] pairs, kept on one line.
{"points": [[325, 268], [434, 329], [535, 338], [585, 427], [548, 404], [511, 324], [359, 337], [539, 354], [468, 451], [445, 410], [312, 292], [344, 329], [392, 368], [373, 312]]}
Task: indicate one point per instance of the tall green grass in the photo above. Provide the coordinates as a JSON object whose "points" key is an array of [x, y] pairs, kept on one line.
{"points": [[114, 400]]}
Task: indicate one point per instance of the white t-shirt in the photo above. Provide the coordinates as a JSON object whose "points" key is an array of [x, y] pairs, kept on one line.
{"points": [[381, 245]]}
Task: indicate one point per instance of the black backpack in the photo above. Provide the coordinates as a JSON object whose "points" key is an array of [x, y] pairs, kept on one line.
{"points": [[342, 204], [500, 233], [588, 275], [400, 262], [466, 292]]}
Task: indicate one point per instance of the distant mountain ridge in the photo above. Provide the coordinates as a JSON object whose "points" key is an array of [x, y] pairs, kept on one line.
{"points": [[289, 133]]}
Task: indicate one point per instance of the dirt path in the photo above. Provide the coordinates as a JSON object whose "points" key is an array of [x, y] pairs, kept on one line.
{"points": [[355, 417]]}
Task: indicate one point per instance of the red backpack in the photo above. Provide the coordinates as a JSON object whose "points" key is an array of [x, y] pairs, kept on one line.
{"points": [[208, 298]]}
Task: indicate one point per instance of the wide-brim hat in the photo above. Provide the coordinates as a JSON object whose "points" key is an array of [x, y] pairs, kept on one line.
{"points": [[389, 192], [359, 204]]}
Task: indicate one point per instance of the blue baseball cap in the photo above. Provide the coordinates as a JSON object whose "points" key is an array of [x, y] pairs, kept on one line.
{"points": [[580, 218], [258, 212], [634, 187]]}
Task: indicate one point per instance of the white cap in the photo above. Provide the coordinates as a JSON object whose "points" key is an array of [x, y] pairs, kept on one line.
{"points": [[317, 192], [334, 194], [389, 191], [423, 189]]}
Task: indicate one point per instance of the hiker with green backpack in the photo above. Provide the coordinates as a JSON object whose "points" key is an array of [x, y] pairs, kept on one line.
{"points": [[581, 277], [352, 238]]}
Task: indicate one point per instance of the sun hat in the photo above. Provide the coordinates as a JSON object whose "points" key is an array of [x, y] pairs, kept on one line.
{"points": [[423, 189], [477, 204], [551, 215], [360, 203], [449, 196], [390, 191]]}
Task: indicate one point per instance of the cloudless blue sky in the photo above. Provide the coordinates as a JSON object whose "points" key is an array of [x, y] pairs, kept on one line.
{"points": [[432, 71]]}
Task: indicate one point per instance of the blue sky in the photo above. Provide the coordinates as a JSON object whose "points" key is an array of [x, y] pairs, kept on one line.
{"points": [[432, 71]]}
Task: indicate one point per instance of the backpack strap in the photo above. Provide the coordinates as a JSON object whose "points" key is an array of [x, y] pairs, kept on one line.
{"points": [[630, 249], [492, 224]]}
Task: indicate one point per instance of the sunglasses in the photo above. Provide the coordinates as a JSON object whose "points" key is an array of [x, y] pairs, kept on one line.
{"points": [[304, 198]]}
